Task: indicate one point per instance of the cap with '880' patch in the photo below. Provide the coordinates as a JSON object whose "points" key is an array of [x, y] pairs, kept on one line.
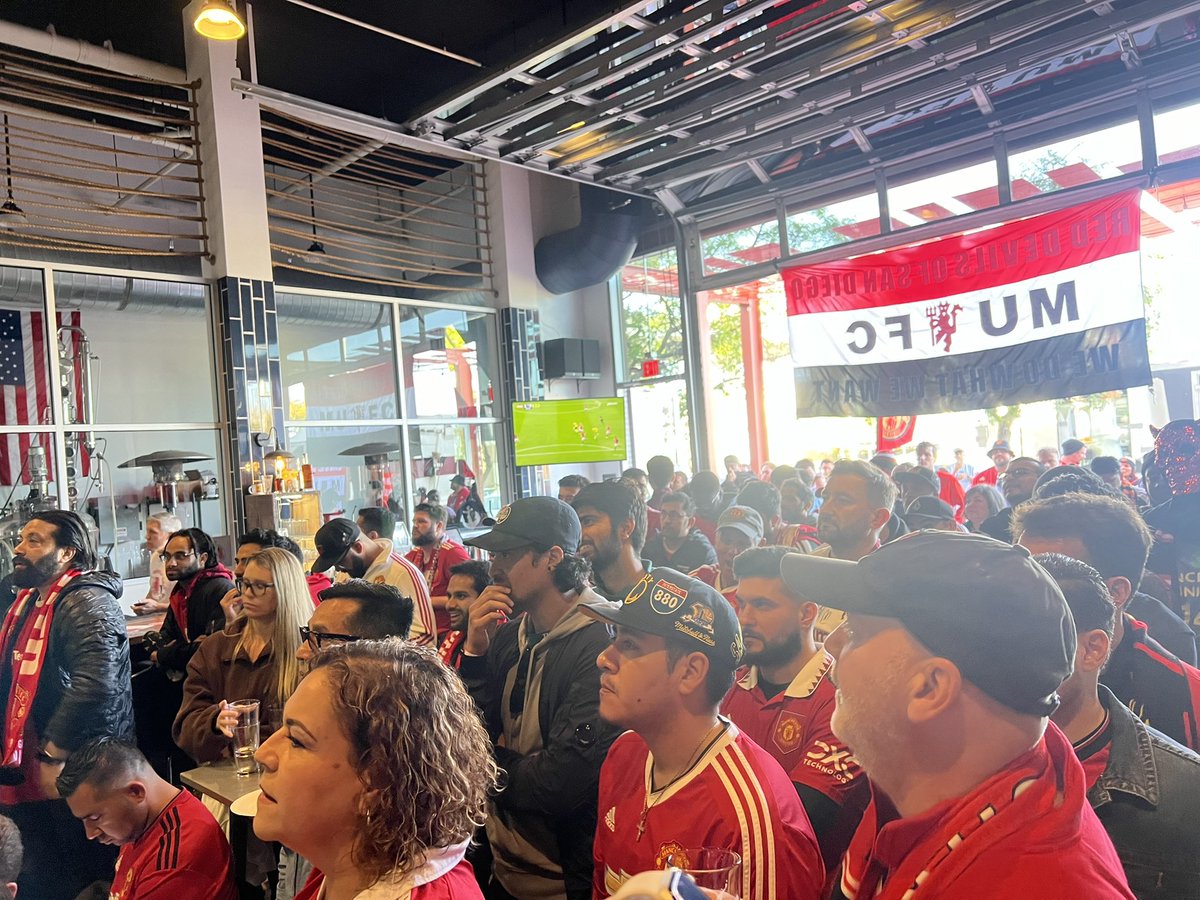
{"points": [[679, 608]]}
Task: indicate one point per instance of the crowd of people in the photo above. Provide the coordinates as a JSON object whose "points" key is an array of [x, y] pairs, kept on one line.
{"points": [[853, 678]]}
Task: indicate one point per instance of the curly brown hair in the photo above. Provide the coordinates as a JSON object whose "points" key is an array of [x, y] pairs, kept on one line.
{"points": [[418, 745]]}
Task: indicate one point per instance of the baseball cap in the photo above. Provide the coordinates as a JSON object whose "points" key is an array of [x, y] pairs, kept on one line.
{"points": [[983, 604], [927, 510], [743, 518], [676, 606], [923, 474], [1000, 445], [540, 521], [1072, 445], [333, 539]]}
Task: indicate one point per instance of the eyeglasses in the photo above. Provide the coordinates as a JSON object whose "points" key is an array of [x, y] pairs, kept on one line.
{"points": [[253, 588], [176, 557], [319, 639]]}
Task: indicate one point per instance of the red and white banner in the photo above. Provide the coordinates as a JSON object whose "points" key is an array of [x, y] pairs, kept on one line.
{"points": [[1049, 306]]}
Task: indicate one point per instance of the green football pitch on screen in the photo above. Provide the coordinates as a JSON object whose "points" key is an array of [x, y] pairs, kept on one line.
{"points": [[552, 432]]}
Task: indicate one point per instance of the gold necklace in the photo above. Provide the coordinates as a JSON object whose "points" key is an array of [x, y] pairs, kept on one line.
{"points": [[701, 748]]}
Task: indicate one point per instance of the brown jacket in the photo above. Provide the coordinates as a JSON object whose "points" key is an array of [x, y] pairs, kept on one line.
{"points": [[214, 675]]}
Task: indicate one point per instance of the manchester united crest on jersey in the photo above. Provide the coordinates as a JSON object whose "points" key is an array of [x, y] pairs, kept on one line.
{"points": [[672, 854], [789, 732]]}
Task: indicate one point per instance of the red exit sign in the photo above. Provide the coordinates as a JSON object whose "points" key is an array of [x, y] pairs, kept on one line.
{"points": [[650, 368]]}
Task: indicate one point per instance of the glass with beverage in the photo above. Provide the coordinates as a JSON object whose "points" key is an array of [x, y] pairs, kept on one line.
{"points": [[245, 737], [710, 867]]}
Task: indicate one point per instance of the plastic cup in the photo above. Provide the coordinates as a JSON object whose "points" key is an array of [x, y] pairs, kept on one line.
{"points": [[710, 867]]}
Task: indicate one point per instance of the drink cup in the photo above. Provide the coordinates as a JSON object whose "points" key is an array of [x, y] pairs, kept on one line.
{"points": [[245, 736], [710, 867]]}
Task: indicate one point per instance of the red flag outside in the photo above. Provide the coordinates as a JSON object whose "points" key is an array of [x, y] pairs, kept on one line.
{"points": [[893, 432]]}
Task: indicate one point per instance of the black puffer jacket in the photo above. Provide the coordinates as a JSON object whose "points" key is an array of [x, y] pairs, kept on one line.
{"points": [[84, 691]]}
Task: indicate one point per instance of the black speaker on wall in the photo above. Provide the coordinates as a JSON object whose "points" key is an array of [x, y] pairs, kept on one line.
{"points": [[570, 358]]}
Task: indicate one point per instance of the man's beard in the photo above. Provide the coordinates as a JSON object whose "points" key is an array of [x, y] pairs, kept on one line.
{"points": [[774, 653], [606, 553], [426, 539], [34, 574]]}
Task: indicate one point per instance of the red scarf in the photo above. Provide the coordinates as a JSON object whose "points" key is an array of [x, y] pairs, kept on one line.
{"points": [[28, 638], [944, 839], [182, 592]]}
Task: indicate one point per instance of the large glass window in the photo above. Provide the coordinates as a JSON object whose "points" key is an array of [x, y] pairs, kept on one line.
{"points": [[743, 245], [143, 346], [820, 227], [353, 466], [338, 359], [1081, 159], [440, 452], [119, 492], [651, 318], [450, 364], [1175, 133], [943, 196]]}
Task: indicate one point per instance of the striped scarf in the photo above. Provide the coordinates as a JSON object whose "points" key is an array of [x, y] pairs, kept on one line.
{"points": [[26, 637]]}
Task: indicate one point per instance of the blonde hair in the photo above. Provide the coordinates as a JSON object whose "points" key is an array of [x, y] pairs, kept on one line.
{"points": [[417, 742], [293, 608]]}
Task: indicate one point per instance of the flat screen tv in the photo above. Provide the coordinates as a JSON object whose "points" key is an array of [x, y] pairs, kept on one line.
{"points": [[552, 432]]}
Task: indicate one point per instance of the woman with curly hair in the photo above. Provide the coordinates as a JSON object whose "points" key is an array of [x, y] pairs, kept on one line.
{"points": [[379, 776]]}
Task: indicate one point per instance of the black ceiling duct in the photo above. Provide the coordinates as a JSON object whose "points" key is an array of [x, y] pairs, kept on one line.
{"points": [[592, 251]]}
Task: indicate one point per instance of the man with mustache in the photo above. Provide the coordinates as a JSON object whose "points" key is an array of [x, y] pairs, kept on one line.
{"points": [[65, 680], [529, 663]]}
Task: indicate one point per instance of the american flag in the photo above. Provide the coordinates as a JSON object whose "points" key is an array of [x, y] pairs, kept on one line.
{"points": [[25, 394]]}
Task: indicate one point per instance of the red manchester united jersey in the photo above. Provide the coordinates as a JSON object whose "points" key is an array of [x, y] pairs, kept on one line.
{"points": [[436, 570], [793, 726], [183, 855], [735, 798]]}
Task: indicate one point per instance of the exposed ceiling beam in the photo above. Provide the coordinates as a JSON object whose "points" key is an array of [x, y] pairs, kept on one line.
{"points": [[769, 131], [459, 98], [762, 45], [797, 71]]}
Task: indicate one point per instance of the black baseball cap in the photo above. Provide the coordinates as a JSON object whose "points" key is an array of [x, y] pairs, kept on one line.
{"points": [[922, 474], [927, 510], [333, 539], [533, 521], [678, 607], [985, 605]]}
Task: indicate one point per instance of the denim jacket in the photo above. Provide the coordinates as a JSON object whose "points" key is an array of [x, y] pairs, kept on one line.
{"points": [[1147, 798]]}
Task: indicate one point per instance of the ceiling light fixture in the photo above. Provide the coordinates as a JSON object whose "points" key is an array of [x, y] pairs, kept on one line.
{"points": [[316, 246], [218, 21], [11, 215]]}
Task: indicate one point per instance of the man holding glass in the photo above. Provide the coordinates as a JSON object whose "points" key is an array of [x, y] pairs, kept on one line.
{"points": [[684, 787]]}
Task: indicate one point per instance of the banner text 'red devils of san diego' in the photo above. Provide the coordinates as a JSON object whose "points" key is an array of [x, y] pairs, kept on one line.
{"points": [[1046, 307]]}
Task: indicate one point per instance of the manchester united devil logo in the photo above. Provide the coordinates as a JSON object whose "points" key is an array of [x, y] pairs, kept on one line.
{"points": [[943, 323], [672, 855]]}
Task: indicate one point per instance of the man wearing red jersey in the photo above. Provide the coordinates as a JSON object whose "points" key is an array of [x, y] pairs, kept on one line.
{"points": [[171, 846], [946, 675], [738, 529], [467, 581], [783, 700], [684, 777], [435, 556]]}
